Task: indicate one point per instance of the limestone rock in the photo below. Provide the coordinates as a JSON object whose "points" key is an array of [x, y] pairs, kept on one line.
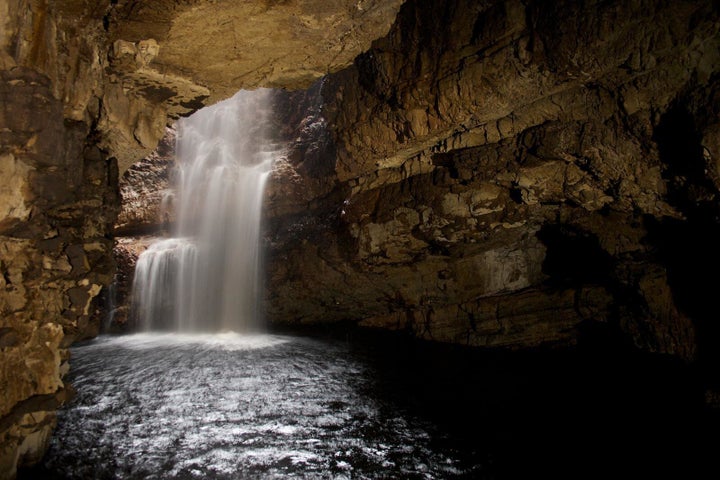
{"points": [[146, 191], [13, 205], [498, 154], [126, 252], [25, 442], [58, 205], [226, 45], [168, 58]]}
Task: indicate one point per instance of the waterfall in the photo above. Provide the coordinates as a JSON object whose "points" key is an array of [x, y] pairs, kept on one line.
{"points": [[206, 277]]}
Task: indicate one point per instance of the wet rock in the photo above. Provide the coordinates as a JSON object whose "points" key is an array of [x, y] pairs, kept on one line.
{"points": [[146, 191], [59, 204], [126, 252], [498, 152]]}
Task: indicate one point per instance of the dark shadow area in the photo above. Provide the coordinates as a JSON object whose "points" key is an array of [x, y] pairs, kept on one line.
{"points": [[601, 410], [689, 247], [680, 148], [689, 250], [565, 414], [573, 257]]}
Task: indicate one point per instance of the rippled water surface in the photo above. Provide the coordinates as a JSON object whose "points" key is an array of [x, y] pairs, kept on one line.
{"points": [[271, 406], [231, 406]]}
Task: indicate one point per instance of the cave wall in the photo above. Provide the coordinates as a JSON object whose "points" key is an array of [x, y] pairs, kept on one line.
{"points": [[59, 199], [514, 174], [500, 173], [171, 57]]}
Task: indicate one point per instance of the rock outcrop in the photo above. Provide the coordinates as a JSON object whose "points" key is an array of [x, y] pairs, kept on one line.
{"points": [[226, 44], [512, 173], [146, 191], [146, 213], [59, 200], [116, 312], [171, 57]]}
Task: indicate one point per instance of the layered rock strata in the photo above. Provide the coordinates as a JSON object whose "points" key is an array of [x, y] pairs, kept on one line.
{"points": [[146, 191], [513, 173], [171, 57], [59, 200], [147, 213]]}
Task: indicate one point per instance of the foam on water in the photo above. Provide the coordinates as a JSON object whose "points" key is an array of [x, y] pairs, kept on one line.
{"points": [[230, 406], [228, 341]]}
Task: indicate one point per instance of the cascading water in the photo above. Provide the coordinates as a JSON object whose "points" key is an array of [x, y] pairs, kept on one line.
{"points": [[206, 278]]}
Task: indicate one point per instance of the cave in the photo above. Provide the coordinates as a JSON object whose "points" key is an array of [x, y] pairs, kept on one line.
{"points": [[486, 239]]}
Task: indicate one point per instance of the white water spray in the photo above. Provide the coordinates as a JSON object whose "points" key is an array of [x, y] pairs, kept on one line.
{"points": [[206, 278]]}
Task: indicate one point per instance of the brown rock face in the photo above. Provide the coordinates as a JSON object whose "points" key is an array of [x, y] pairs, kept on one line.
{"points": [[171, 57], [117, 315], [54, 255], [509, 172], [226, 44], [59, 200], [146, 192]]}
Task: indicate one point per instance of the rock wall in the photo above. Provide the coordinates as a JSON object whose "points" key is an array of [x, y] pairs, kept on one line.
{"points": [[59, 200], [146, 191], [147, 214], [515, 173], [171, 57]]}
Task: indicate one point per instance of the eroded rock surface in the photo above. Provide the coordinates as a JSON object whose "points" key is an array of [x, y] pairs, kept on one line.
{"points": [[59, 200], [54, 255], [171, 57], [510, 172], [146, 191], [227, 44]]}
